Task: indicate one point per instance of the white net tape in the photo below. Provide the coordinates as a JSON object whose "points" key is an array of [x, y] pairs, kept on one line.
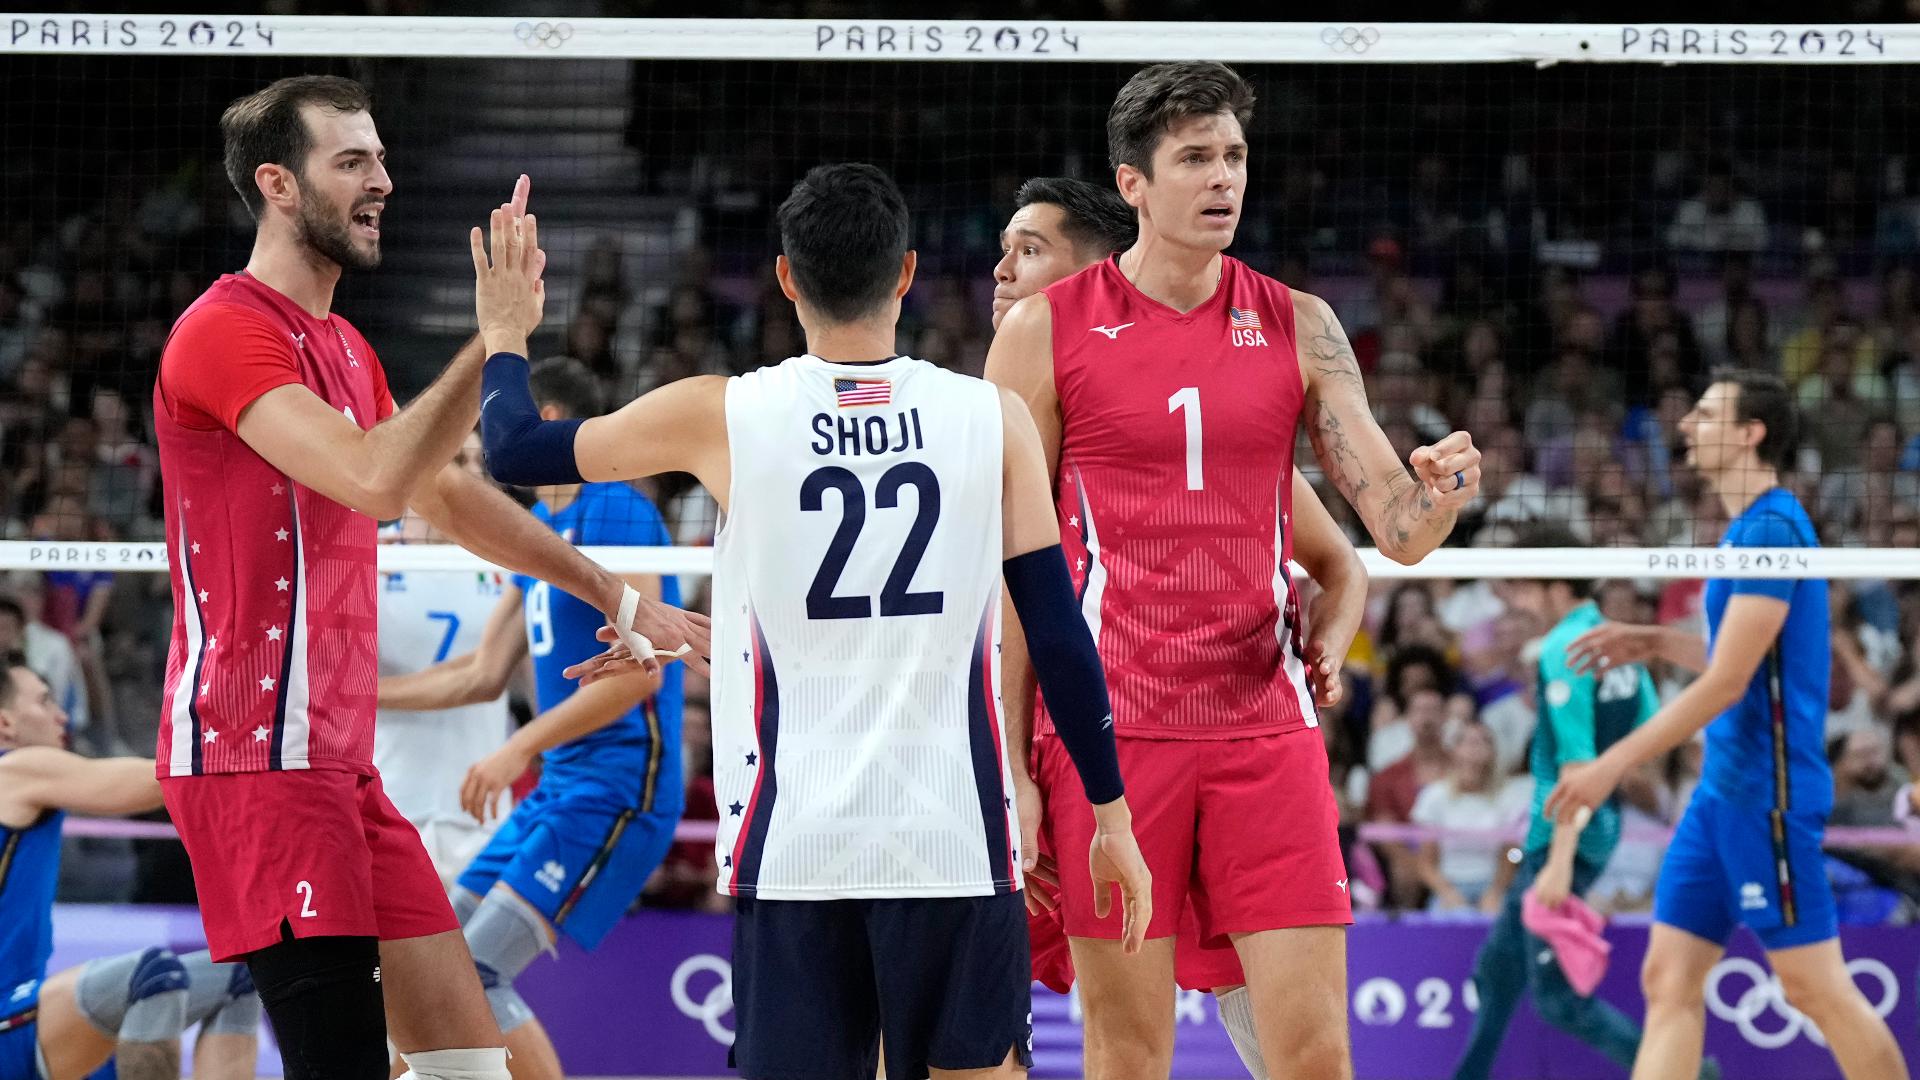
{"points": [[1869, 564]]}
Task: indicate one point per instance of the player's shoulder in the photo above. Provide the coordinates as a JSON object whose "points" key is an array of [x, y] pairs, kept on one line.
{"points": [[1776, 519]]}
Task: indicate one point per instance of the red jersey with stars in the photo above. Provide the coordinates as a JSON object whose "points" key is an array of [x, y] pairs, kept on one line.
{"points": [[1176, 468], [273, 661]]}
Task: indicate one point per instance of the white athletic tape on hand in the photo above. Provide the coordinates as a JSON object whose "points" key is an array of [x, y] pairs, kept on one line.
{"points": [[1582, 816], [636, 642]]}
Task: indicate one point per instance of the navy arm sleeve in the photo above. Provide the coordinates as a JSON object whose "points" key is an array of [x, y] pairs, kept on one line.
{"points": [[521, 448], [1068, 667]]}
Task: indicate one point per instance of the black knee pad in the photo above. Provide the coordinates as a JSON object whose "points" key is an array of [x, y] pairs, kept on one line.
{"points": [[323, 996]]}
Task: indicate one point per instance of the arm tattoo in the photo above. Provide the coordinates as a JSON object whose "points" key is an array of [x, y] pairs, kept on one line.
{"points": [[1331, 446], [147, 1060], [1332, 356]]}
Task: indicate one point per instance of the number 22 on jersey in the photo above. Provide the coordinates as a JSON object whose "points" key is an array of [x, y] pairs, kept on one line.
{"points": [[895, 599]]}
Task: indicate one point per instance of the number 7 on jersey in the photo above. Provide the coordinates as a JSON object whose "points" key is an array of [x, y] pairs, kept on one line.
{"points": [[1188, 398]]}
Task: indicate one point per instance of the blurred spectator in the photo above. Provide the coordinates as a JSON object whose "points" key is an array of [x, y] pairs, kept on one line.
{"points": [[1653, 338], [1393, 791], [1849, 496], [1474, 794], [1839, 404], [1411, 669], [1719, 218], [47, 650]]}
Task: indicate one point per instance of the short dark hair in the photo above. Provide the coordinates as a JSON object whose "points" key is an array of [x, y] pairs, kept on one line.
{"points": [[1160, 96], [1764, 397], [568, 383], [1094, 218], [265, 127], [10, 606], [1411, 656], [9, 662], [1552, 534], [843, 230]]}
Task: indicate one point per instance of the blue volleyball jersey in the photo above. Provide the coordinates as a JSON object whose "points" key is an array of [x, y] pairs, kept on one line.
{"points": [[1767, 752], [640, 752], [29, 870]]}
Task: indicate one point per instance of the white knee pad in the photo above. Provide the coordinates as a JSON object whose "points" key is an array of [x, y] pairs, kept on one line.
{"points": [[1236, 1013], [489, 1063]]}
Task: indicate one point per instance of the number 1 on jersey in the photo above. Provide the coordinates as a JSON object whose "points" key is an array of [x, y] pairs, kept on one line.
{"points": [[1188, 398]]}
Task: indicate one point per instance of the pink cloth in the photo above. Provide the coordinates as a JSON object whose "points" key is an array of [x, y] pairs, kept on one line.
{"points": [[1573, 931]]}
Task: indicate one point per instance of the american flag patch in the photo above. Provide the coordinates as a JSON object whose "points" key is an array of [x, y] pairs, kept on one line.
{"points": [[1240, 319], [856, 392]]}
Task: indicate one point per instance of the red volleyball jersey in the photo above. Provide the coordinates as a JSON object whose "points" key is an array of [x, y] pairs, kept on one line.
{"points": [[273, 660], [1174, 492]]}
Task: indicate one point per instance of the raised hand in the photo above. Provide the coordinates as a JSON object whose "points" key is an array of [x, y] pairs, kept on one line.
{"points": [[1449, 470], [509, 295]]}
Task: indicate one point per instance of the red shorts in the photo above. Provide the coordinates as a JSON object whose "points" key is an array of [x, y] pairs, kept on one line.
{"points": [[320, 851], [1195, 967], [1245, 830]]}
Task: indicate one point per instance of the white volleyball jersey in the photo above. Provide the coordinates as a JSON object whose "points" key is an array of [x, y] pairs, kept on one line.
{"points": [[856, 617], [427, 617]]}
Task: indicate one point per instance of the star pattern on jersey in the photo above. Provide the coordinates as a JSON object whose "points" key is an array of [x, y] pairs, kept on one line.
{"points": [[743, 656], [186, 504], [1073, 520], [266, 682], [752, 757], [260, 733], [281, 584], [280, 534], [1080, 564], [205, 686], [273, 633], [196, 548], [209, 735], [734, 808], [726, 861], [213, 643], [278, 490], [203, 596]]}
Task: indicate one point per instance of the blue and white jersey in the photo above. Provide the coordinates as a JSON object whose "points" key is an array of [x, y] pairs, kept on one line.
{"points": [[29, 870], [638, 754], [1768, 751], [856, 615], [423, 757]]}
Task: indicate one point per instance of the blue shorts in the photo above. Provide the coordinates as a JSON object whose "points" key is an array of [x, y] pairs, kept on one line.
{"points": [[1726, 867], [19, 1052], [820, 985], [578, 855]]}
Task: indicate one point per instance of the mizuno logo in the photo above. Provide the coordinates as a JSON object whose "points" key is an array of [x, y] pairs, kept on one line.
{"points": [[1112, 332], [489, 401]]}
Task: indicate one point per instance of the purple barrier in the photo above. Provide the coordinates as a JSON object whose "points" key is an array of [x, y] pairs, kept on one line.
{"points": [[654, 1000]]}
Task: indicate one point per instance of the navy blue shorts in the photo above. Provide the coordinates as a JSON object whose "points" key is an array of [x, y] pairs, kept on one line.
{"points": [[818, 983], [1727, 866], [578, 855]]}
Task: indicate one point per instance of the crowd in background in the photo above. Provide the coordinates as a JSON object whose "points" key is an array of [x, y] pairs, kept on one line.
{"points": [[1562, 296]]}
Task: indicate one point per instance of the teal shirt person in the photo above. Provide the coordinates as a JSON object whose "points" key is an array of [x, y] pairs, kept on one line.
{"points": [[1580, 716]]}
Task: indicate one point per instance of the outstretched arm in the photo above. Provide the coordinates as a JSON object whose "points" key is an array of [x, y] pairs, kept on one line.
{"points": [[1751, 626], [34, 779], [1408, 515]]}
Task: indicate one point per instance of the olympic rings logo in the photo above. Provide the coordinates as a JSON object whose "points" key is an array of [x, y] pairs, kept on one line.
{"points": [[715, 1004], [1763, 995], [1351, 39], [543, 34]]}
